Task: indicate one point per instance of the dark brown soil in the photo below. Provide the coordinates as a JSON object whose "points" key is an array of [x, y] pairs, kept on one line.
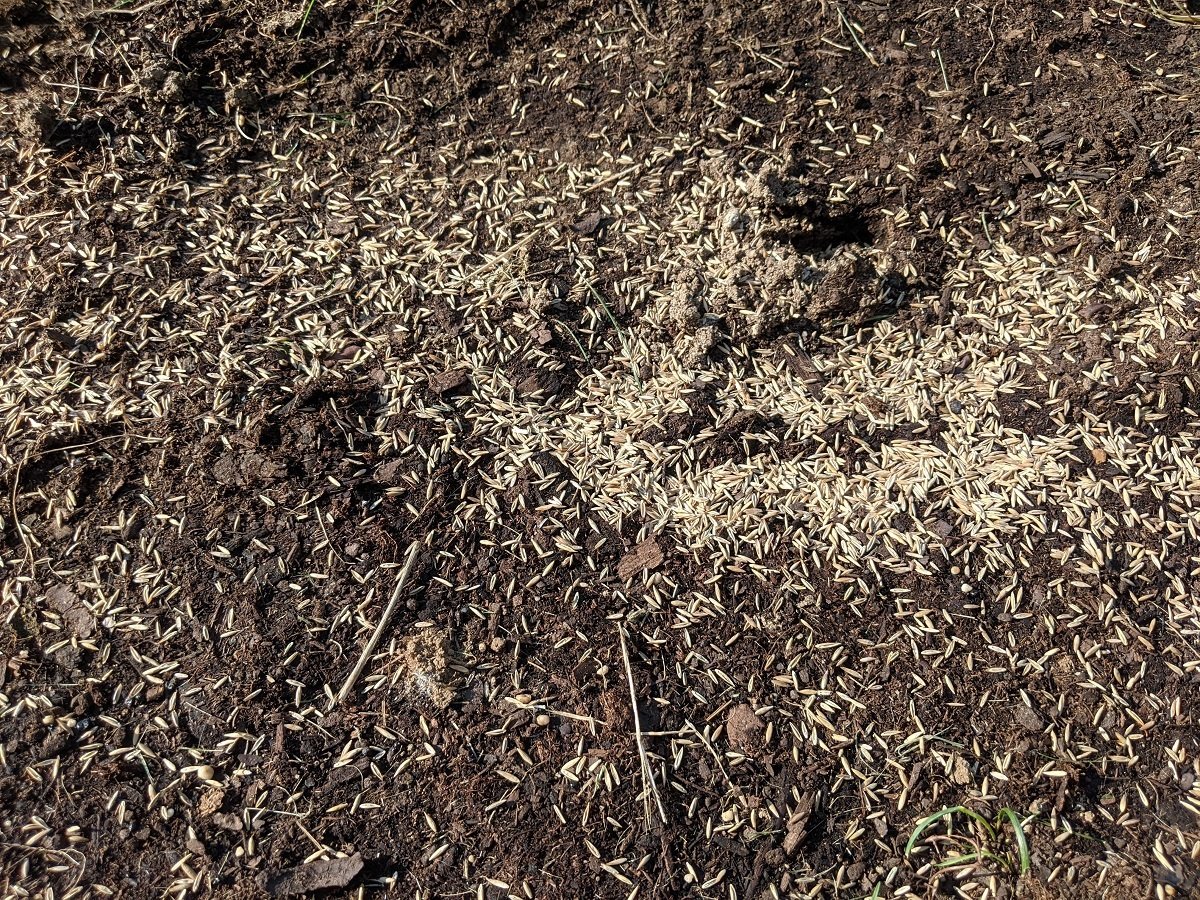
{"points": [[188, 590]]}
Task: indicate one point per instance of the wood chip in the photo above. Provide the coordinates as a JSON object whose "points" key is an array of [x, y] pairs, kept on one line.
{"points": [[390, 472], [960, 773], [589, 224], [313, 876], [797, 826], [645, 556], [447, 381], [1028, 719], [228, 821], [210, 802]]}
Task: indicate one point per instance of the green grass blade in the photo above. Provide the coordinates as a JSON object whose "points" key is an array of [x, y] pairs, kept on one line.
{"points": [[620, 333], [957, 860], [582, 349], [308, 8], [1019, 832], [987, 826], [979, 856], [924, 824]]}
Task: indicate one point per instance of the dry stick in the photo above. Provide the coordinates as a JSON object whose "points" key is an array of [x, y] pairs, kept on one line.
{"points": [[383, 620], [100, 440], [328, 542], [648, 784], [854, 37], [708, 746], [639, 16], [942, 66], [16, 516]]}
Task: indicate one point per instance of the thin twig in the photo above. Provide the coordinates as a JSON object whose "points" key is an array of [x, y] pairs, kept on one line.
{"points": [[1155, 9], [380, 625], [16, 516], [100, 440], [942, 66], [708, 746], [639, 16], [854, 37], [648, 784], [122, 9], [328, 542]]}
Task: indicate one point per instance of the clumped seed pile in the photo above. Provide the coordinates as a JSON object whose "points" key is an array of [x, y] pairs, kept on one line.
{"points": [[777, 479]]}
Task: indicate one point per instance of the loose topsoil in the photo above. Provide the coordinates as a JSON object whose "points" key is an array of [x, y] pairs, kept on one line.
{"points": [[790, 410]]}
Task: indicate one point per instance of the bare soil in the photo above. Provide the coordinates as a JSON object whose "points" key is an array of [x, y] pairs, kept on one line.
{"points": [[795, 406]]}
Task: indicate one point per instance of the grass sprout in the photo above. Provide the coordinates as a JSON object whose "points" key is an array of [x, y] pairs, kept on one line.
{"points": [[989, 839], [304, 16], [620, 332]]}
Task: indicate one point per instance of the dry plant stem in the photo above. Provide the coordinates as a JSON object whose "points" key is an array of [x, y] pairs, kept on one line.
{"points": [[328, 540], [16, 519], [639, 16], [1181, 17], [648, 785], [692, 729], [380, 626], [854, 37]]}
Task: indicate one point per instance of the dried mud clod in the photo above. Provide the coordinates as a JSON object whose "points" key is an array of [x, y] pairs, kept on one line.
{"points": [[744, 728], [246, 468], [425, 667], [241, 96], [35, 121], [695, 348], [847, 291], [773, 191], [782, 261], [164, 85], [548, 296]]}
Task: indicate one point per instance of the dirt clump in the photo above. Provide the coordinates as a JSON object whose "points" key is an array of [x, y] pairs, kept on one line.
{"points": [[425, 666], [744, 728]]}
